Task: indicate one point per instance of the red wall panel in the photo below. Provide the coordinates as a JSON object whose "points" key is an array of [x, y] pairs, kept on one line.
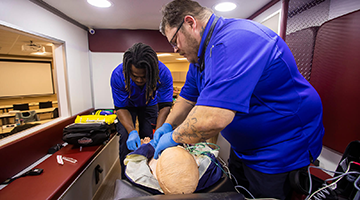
{"points": [[336, 76], [118, 40]]}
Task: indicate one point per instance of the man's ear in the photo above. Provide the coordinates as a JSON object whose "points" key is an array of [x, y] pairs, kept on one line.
{"points": [[191, 21]]}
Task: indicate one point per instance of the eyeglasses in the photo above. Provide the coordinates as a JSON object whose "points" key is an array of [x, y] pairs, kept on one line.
{"points": [[174, 44]]}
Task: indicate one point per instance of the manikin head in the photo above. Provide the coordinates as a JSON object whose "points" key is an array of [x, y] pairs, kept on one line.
{"points": [[177, 171]]}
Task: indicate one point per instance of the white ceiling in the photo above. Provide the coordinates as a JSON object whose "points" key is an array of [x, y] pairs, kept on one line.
{"points": [[11, 43], [123, 14], [139, 14]]}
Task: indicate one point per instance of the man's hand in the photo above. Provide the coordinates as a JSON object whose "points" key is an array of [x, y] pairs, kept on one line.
{"points": [[165, 141], [165, 128], [152, 143], [133, 141]]}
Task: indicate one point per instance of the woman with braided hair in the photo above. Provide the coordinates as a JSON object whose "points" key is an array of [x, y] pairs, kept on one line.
{"points": [[142, 87]]}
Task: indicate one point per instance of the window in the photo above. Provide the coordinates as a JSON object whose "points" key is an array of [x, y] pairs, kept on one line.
{"points": [[29, 75]]}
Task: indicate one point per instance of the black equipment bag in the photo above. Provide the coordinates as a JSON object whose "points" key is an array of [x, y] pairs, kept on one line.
{"points": [[346, 186], [87, 134], [299, 181]]}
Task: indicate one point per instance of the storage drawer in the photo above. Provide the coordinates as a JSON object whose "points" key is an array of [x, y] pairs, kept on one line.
{"points": [[85, 186]]}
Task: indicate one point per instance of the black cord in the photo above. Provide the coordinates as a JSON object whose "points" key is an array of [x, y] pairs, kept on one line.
{"points": [[33, 172]]}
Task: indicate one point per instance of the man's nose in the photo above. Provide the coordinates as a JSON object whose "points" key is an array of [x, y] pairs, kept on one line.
{"points": [[176, 49]]}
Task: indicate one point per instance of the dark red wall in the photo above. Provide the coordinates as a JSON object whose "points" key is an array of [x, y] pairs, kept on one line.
{"points": [[335, 75], [118, 40]]}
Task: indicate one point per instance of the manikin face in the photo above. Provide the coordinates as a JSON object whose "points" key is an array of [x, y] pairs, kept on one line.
{"points": [[138, 76], [183, 41], [177, 171]]}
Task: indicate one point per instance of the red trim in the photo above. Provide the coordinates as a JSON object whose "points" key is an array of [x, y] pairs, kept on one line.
{"points": [[261, 10], [284, 15], [21, 153], [119, 40]]}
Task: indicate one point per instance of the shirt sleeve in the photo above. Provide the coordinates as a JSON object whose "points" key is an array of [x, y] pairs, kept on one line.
{"points": [[233, 69], [165, 88], [190, 91], [119, 94]]}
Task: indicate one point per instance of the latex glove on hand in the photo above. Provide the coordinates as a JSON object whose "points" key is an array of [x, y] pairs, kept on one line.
{"points": [[165, 128], [152, 143], [133, 141], [165, 141]]}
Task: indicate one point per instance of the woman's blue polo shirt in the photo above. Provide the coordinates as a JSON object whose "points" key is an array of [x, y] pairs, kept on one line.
{"points": [[250, 69], [163, 93]]}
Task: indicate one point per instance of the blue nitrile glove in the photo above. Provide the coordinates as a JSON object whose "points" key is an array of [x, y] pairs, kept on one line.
{"points": [[165, 128], [152, 142], [165, 141], [133, 141]]}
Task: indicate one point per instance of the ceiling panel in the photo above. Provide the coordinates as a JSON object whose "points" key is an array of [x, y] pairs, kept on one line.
{"points": [[11, 43], [124, 14], [139, 14]]}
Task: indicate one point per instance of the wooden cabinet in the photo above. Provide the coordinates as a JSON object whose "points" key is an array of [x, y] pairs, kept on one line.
{"points": [[70, 180], [86, 184], [179, 76]]}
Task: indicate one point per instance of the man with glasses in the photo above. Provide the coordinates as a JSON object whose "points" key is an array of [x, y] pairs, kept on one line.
{"points": [[142, 88], [243, 82]]}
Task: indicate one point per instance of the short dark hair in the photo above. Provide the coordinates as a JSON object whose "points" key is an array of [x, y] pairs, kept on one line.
{"points": [[142, 56], [175, 12]]}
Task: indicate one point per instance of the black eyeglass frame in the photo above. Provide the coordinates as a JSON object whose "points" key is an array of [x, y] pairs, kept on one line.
{"points": [[174, 45]]}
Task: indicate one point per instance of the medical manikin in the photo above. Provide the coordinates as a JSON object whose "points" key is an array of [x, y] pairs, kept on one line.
{"points": [[175, 172]]}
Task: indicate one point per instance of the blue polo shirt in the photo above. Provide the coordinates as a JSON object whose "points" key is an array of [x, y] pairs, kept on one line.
{"points": [[163, 93], [249, 69]]}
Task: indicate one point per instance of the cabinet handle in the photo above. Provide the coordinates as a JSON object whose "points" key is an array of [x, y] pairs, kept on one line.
{"points": [[98, 170]]}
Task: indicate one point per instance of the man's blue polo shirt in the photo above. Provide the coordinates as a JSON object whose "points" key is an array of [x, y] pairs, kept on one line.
{"points": [[249, 69], [163, 93]]}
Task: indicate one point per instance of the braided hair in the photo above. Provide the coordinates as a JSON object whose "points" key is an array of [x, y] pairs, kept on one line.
{"points": [[142, 56]]}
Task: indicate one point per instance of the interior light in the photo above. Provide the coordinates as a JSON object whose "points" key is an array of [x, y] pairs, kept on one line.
{"points": [[163, 54], [225, 6], [39, 53], [100, 3], [181, 58]]}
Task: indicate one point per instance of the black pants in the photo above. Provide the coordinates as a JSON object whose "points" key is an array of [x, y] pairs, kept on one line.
{"points": [[260, 185], [147, 121]]}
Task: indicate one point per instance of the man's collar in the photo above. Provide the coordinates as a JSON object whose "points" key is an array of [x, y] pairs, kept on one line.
{"points": [[203, 38]]}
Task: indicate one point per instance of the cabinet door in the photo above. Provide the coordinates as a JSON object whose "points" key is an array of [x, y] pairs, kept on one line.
{"points": [[84, 186]]}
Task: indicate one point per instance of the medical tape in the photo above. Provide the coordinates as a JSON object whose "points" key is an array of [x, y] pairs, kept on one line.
{"points": [[59, 159], [72, 160]]}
